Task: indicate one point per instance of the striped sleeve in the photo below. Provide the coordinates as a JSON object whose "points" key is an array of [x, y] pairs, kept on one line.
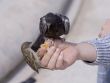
{"points": [[102, 46]]}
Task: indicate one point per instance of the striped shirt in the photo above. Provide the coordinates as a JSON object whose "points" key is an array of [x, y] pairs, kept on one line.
{"points": [[102, 46]]}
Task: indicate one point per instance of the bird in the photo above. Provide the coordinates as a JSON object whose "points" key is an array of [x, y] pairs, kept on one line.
{"points": [[30, 56]]}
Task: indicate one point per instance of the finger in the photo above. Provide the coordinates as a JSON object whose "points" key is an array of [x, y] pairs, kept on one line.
{"points": [[62, 65], [53, 60], [41, 52], [59, 63], [47, 56]]}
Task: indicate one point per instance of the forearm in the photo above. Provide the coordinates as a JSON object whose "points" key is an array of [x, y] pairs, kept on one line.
{"points": [[97, 50], [86, 51]]}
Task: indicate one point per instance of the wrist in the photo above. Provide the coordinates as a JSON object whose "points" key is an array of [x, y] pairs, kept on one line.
{"points": [[86, 52], [78, 52]]}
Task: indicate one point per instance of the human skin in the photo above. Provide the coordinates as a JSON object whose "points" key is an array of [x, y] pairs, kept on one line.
{"points": [[105, 30], [62, 54]]}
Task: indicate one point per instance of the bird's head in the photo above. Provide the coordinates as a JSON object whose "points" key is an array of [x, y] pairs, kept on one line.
{"points": [[25, 45]]}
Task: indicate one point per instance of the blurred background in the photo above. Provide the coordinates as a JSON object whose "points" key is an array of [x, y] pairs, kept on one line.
{"points": [[19, 22]]}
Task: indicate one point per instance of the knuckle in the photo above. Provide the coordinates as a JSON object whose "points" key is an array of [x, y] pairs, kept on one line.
{"points": [[62, 68], [51, 67], [57, 52], [51, 50], [57, 67], [44, 64]]}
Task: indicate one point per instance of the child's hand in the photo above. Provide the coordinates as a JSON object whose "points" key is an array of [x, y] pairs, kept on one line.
{"points": [[59, 56], [105, 30]]}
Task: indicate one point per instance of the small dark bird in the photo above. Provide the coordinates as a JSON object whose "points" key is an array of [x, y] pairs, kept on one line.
{"points": [[51, 26]]}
